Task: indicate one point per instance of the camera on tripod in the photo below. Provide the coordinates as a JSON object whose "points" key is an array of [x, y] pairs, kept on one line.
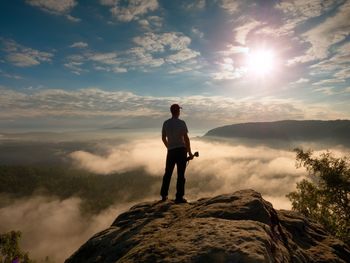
{"points": [[196, 154]]}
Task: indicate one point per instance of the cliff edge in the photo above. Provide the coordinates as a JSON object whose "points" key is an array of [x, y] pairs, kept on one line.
{"points": [[239, 227]]}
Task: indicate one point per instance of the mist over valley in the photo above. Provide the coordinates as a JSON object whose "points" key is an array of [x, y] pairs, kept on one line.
{"points": [[74, 184]]}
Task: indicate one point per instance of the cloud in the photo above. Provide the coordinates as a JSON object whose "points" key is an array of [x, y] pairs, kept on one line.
{"points": [[327, 82], [226, 74], [337, 66], [143, 110], [306, 10], [160, 42], [62, 7], [242, 31], [232, 50], [107, 61], [229, 5], [151, 50], [108, 58], [223, 167], [73, 19], [182, 55], [172, 47], [130, 10], [296, 12], [197, 32], [59, 228], [21, 56], [79, 45], [233, 166], [332, 31], [11, 76], [195, 4], [302, 80], [151, 23]]}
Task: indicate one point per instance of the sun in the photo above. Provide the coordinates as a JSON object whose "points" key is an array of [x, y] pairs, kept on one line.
{"points": [[260, 62]]}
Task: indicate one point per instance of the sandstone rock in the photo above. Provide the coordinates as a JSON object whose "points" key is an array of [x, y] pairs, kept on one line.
{"points": [[240, 227]]}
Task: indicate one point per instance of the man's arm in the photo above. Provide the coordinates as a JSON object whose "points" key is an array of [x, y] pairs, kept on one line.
{"points": [[164, 139], [188, 144]]}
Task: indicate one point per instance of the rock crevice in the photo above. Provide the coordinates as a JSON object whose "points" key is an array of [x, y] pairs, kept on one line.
{"points": [[238, 227]]}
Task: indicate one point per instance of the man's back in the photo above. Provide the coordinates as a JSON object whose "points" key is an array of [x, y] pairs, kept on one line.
{"points": [[175, 129]]}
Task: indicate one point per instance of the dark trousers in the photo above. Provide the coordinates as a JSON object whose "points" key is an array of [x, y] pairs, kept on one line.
{"points": [[175, 156]]}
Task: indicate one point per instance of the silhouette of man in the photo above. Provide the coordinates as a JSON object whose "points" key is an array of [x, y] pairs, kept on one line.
{"points": [[175, 139]]}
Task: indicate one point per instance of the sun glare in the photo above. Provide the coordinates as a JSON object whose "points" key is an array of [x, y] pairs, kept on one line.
{"points": [[260, 62]]}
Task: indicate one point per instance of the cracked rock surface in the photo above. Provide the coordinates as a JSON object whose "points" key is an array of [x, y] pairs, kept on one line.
{"points": [[239, 227]]}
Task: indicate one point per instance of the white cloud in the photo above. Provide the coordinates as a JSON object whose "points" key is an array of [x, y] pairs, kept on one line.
{"points": [[22, 60], [151, 23], [144, 23], [242, 31], [182, 55], [332, 31], [160, 42], [151, 50], [197, 32], [126, 106], [232, 50], [231, 6], [337, 66], [306, 9], [233, 166], [302, 80], [343, 74], [79, 44], [127, 11], [228, 74], [170, 48], [119, 70], [109, 58], [139, 58], [326, 90], [297, 12], [73, 19], [8, 75], [52, 6], [22, 56], [196, 4], [59, 228], [328, 81]]}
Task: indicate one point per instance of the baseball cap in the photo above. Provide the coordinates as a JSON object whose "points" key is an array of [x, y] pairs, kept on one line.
{"points": [[175, 108]]}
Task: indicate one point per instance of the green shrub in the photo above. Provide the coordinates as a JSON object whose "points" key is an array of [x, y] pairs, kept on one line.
{"points": [[325, 195], [9, 248]]}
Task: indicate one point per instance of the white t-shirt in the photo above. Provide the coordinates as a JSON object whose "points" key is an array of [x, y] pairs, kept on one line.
{"points": [[175, 129]]}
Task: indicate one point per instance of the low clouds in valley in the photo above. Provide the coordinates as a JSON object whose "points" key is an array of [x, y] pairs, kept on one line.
{"points": [[127, 171]]}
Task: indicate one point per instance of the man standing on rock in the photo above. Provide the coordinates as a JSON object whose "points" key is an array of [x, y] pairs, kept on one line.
{"points": [[175, 138]]}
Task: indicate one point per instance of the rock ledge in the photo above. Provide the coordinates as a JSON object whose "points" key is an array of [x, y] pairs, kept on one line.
{"points": [[239, 227]]}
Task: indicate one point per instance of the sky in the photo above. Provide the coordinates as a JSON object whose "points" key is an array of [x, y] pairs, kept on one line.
{"points": [[121, 63]]}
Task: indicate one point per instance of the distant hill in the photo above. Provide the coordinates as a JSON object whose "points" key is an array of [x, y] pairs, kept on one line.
{"points": [[309, 130]]}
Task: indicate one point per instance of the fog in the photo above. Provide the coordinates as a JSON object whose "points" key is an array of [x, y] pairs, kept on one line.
{"points": [[55, 226], [222, 167]]}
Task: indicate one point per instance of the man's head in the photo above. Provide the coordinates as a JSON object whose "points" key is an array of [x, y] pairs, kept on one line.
{"points": [[175, 110]]}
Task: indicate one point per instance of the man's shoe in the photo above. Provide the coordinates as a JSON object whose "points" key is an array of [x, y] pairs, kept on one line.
{"points": [[164, 198], [180, 201]]}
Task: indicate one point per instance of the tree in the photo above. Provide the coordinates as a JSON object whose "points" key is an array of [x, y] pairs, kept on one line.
{"points": [[9, 248], [325, 196]]}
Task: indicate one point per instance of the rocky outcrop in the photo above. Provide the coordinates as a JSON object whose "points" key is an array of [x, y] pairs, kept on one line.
{"points": [[238, 227]]}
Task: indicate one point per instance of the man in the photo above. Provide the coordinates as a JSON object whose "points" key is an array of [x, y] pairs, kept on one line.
{"points": [[175, 139]]}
